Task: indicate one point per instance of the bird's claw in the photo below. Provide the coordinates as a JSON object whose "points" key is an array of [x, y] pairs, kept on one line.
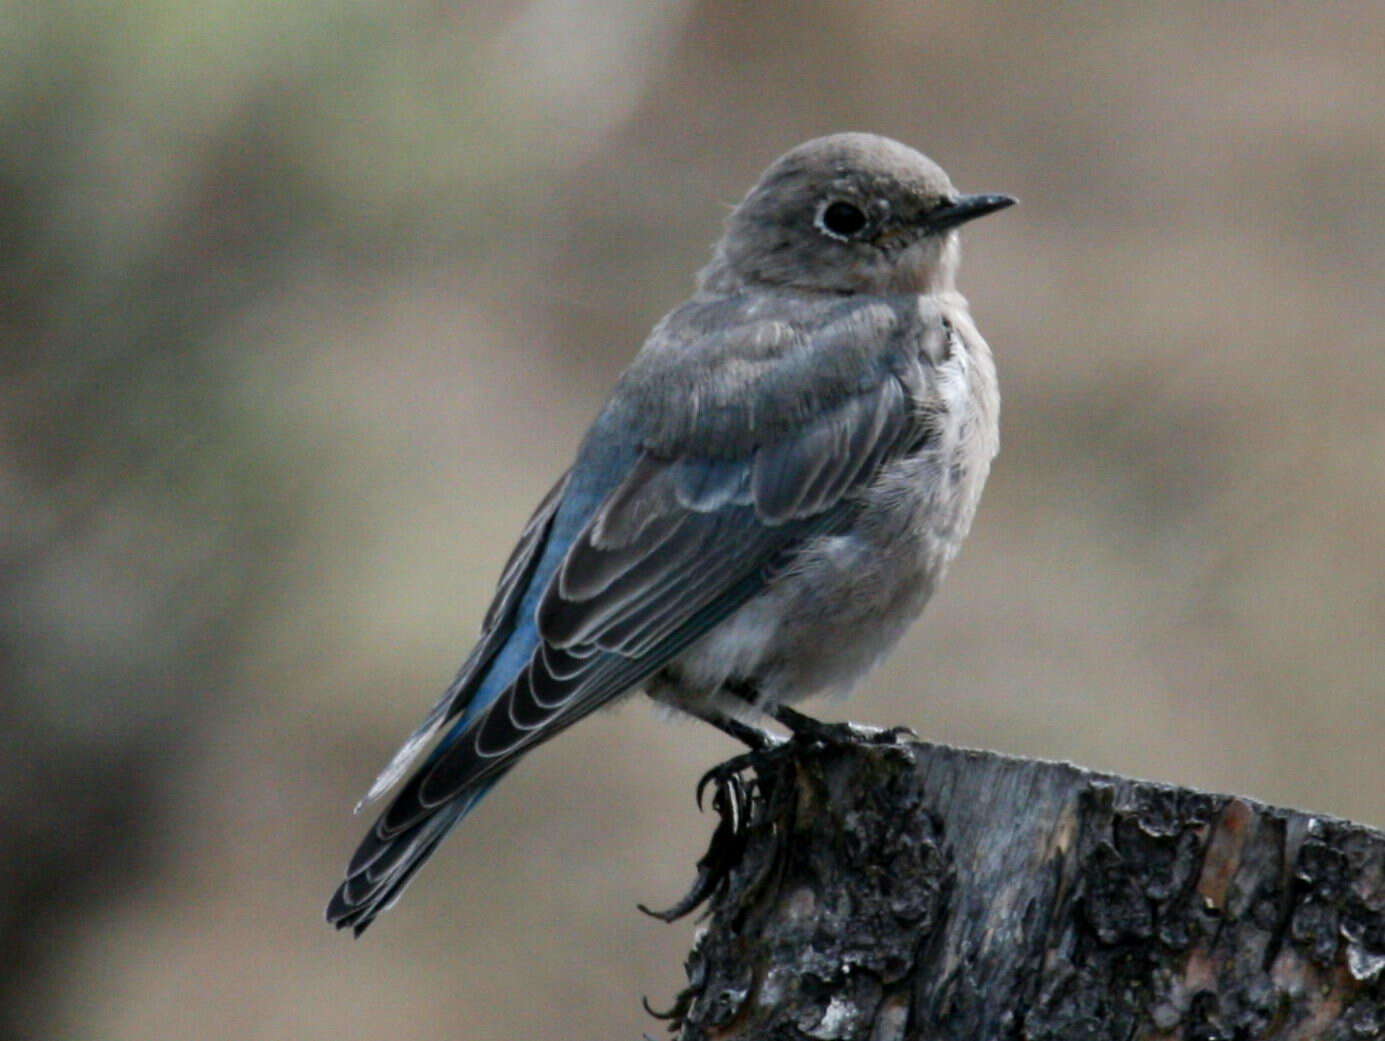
{"points": [[729, 785], [735, 795], [806, 728], [731, 801], [889, 736]]}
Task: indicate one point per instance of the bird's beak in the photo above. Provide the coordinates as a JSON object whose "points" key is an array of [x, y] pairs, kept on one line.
{"points": [[963, 209]]}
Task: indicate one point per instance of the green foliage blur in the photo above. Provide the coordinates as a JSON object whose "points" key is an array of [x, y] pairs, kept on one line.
{"points": [[303, 305]]}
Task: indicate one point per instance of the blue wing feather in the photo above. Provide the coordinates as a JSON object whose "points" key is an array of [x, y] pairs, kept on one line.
{"points": [[684, 502]]}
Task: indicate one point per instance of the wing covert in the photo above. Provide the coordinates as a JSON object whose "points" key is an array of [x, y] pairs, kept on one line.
{"points": [[677, 546]]}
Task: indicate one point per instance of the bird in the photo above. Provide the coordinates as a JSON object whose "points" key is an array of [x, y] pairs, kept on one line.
{"points": [[769, 497]]}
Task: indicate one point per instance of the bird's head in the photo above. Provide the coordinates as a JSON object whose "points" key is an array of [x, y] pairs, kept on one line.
{"points": [[848, 213]]}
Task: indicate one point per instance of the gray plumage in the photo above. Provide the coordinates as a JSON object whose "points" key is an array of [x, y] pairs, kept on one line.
{"points": [[769, 498]]}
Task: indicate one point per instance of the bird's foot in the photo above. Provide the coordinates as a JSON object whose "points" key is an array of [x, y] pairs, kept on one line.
{"points": [[806, 728], [731, 799], [745, 784]]}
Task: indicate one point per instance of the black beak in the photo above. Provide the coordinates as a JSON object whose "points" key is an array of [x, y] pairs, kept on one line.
{"points": [[962, 209]]}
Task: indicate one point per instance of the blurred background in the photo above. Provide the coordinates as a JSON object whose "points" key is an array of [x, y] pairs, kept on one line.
{"points": [[303, 306]]}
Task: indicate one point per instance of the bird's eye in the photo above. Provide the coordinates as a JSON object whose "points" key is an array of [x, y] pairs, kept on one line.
{"points": [[841, 219]]}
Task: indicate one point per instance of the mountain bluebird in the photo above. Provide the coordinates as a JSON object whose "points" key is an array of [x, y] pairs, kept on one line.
{"points": [[769, 498]]}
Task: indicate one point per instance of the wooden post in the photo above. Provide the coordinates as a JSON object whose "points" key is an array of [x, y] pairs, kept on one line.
{"points": [[906, 891]]}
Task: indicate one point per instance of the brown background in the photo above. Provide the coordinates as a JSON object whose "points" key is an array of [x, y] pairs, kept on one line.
{"points": [[302, 306]]}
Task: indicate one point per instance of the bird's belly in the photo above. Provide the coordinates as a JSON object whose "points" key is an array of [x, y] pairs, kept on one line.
{"points": [[846, 599]]}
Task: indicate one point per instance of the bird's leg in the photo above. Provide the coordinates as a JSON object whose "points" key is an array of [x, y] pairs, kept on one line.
{"points": [[755, 738], [803, 728], [806, 728]]}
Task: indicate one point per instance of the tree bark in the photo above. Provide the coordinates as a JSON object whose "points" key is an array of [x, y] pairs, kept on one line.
{"points": [[894, 891]]}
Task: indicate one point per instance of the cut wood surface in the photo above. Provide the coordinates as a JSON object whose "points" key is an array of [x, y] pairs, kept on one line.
{"points": [[892, 891]]}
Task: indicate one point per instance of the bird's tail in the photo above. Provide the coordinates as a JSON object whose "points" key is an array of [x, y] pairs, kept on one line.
{"points": [[386, 861]]}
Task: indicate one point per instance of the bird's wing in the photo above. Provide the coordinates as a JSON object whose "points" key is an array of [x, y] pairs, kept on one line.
{"points": [[701, 515], [685, 538], [495, 630]]}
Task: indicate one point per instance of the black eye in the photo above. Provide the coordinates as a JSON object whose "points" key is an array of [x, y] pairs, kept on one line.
{"points": [[842, 219]]}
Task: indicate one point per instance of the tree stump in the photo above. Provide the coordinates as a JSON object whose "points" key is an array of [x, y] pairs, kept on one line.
{"points": [[900, 891]]}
